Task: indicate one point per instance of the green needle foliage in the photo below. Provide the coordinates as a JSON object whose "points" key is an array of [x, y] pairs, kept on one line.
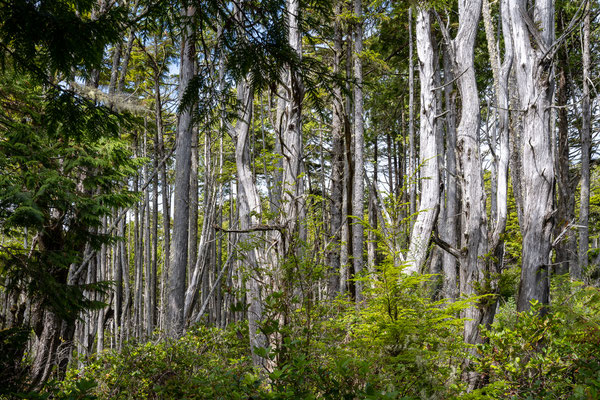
{"points": [[58, 180]]}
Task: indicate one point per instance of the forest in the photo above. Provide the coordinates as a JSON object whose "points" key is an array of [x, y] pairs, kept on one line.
{"points": [[285, 199]]}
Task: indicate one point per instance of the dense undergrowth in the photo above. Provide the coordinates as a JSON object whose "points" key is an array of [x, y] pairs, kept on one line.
{"points": [[400, 345]]}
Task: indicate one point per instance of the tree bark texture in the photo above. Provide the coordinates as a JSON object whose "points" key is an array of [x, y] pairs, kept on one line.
{"points": [[337, 164], [359, 158], [584, 209], [532, 37], [430, 182], [181, 215]]}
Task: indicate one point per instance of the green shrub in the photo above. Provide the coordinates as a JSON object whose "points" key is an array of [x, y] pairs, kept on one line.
{"points": [[204, 364], [549, 353]]}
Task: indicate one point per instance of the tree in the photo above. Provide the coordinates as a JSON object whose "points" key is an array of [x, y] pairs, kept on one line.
{"points": [[576, 272], [359, 149], [430, 182], [533, 44], [181, 213]]}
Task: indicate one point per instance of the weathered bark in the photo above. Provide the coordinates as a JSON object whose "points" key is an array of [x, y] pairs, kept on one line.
{"points": [[337, 164], [149, 300], [473, 260], [566, 246], [114, 73], [193, 204], [359, 158], [292, 181], [372, 216], [137, 258], [430, 182], [46, 347], [249, 207], [125, 62], [450, 234], [532, 37], [412, 154], [125, 311], [166, 202], [502, 105], [181, 215], [202, 262], [584, 209]]}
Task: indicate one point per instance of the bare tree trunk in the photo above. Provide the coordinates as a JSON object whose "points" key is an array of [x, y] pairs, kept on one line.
{"points": [[359, 158], [450, 234], [533, 70], [177, 274], [149, 308], [293, 183], [249, 208], [200, 271], [566, 247], [166, 207], [137, 257], [337, 164], [430, 182], [193, 232], [372, 217], [502, 106], [412, 155], [125, 313], [473, 260], [584, 209], [125, 62]]}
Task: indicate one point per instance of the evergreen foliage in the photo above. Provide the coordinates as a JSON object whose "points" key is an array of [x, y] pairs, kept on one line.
{"points": [[90, 111]]}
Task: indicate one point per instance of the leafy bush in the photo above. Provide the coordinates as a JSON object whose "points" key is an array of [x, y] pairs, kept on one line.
{"points": [[545, 353], [204, 364]]}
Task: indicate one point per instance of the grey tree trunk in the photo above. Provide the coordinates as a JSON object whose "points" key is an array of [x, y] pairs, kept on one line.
{"points": [[292, 182], [359, 158], [181, 215], [532, 37], [501, 82], [584, 209], [473, 260], [125, 313], [166, 202], [149, 301], [249, 207], [337, 164], [193, 204], [412, 154], [450, 234], [566, 246], [430, 182]]}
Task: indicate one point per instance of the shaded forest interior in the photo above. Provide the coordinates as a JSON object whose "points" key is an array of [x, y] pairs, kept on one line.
{"points": [[275, 199]]}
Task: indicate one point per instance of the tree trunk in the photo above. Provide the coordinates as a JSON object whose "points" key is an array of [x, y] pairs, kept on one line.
{"points": [[337, 164], [535, 86], [249, 208], [193, 204], [149, 301], [293, 182], [473, 260], [166, 206], [430, 182], [359, 158], [412, 154], [450, 235], [566, 247], [584, 209], [181, 216]]}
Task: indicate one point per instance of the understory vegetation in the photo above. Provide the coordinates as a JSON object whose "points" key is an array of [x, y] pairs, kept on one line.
{"points": [[401, 346], [286, 199]]}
